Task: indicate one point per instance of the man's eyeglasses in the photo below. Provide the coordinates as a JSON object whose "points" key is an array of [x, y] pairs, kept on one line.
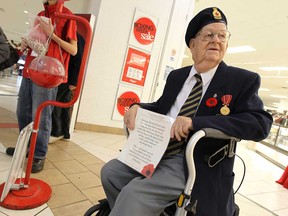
{"points": [[223, 36]]}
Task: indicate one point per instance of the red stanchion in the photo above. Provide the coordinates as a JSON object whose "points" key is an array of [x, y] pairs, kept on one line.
{"points": [[284, 178], [33, 193]]}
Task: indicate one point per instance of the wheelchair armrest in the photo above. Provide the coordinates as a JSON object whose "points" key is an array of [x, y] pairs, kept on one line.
{"points": [[209, 132], [192, 142], [217, 134]]}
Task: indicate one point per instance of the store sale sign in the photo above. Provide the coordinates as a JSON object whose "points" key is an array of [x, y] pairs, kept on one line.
{"points": [[136, 66], [125, 100], [126, 96], [143, 31]]}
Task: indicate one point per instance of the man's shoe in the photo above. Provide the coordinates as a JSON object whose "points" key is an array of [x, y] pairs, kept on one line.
{"points": [[37, 165], [10, 151]]}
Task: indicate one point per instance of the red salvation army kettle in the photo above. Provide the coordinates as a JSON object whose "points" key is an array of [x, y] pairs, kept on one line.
{"points": [[46, 71]]}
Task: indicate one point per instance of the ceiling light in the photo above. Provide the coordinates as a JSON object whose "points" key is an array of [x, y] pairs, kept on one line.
{"points": [[240, 49], [26, 12], [27, 23], [278, 96], [273, 68]]}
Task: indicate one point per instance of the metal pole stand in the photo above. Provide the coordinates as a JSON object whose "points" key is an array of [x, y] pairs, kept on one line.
{"points": [[15, 194]]}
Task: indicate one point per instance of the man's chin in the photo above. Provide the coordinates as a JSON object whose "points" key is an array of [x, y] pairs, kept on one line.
{"points": [[213, 58]]}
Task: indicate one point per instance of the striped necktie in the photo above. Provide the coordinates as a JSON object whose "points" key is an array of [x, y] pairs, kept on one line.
{"points": [[188, 109]]}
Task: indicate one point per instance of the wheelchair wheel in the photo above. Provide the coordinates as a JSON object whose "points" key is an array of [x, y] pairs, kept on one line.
{"points": [[91, 210], [101, 209]]}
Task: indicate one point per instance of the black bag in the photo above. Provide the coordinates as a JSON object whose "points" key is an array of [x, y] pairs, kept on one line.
{"points": [[13, 58], [4, 47]]}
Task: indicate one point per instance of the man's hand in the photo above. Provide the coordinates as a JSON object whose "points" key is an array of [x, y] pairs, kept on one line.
{"points": [[129, 117], [181, 127]]}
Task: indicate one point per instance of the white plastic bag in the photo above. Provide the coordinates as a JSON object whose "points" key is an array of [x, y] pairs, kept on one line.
{"points": [[36, 38]]}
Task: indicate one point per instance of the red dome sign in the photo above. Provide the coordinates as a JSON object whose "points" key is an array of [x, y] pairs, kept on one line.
{"points": [[144, 31], [125, 101]]}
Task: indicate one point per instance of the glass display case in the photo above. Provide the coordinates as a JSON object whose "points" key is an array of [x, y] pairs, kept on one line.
{"points": [[278, 137]]}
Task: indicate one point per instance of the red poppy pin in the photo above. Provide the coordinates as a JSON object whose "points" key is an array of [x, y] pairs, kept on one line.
{"points": [[212, 102]]}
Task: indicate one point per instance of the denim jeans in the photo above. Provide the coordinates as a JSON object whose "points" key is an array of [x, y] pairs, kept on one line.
{"points": [[30, 97]]}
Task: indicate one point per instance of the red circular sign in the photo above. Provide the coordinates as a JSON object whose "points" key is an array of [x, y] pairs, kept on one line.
{"points": [[144, 31], [125, 101]]}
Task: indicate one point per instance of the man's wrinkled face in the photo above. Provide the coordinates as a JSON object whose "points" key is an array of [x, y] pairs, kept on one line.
{"points": [[209, 44]]}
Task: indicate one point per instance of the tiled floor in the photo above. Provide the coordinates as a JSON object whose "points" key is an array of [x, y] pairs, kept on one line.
{"points": [[72, 169]]}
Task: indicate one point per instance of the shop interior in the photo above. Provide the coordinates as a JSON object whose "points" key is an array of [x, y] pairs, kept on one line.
{"points": [[258, 43]]}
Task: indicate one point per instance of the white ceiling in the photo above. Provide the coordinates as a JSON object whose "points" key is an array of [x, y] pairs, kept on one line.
{"points": [[261, 24]]}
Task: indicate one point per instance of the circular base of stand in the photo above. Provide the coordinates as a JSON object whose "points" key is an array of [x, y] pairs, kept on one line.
{"points": [[37, 193]]}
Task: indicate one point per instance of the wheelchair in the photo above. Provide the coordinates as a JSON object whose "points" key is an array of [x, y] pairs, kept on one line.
{"points": [[185, 205]]}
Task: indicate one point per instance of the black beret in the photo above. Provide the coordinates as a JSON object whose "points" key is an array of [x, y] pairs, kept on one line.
{"points": [[203, 18]]}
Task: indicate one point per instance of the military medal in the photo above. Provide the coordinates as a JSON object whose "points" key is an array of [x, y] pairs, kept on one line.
{"points": [[225, 110], [226, 99]]}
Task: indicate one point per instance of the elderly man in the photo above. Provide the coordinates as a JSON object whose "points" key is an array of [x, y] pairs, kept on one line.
{"points": [[222, 97]]}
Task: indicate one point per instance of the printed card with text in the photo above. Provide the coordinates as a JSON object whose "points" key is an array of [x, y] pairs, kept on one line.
{"points": [[147, 143]]}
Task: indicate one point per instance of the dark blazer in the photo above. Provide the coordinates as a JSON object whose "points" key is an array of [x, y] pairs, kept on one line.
{"points": [[247, 120]]}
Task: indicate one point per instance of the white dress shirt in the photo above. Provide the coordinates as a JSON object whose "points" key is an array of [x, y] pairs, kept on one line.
{"points": [[187, 87]]}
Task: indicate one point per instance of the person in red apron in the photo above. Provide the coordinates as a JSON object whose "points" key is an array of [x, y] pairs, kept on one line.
{"points": [[63, 44]]}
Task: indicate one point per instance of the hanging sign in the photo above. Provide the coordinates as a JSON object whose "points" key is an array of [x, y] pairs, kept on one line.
{"points": [[144, 30], [136, 66], [125, 100]]}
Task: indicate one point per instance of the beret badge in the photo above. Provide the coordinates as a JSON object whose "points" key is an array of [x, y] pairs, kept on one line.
{"points": [[216, 14]]}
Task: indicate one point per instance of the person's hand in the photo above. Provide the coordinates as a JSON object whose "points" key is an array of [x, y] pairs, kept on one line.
{"points": [[24, 44], [47, 27], [181, 127], [129, 117]]}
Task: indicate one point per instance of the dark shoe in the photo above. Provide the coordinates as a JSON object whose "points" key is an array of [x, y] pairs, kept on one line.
{"points": [[66, 136], [10, 151], [37, 165]]}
